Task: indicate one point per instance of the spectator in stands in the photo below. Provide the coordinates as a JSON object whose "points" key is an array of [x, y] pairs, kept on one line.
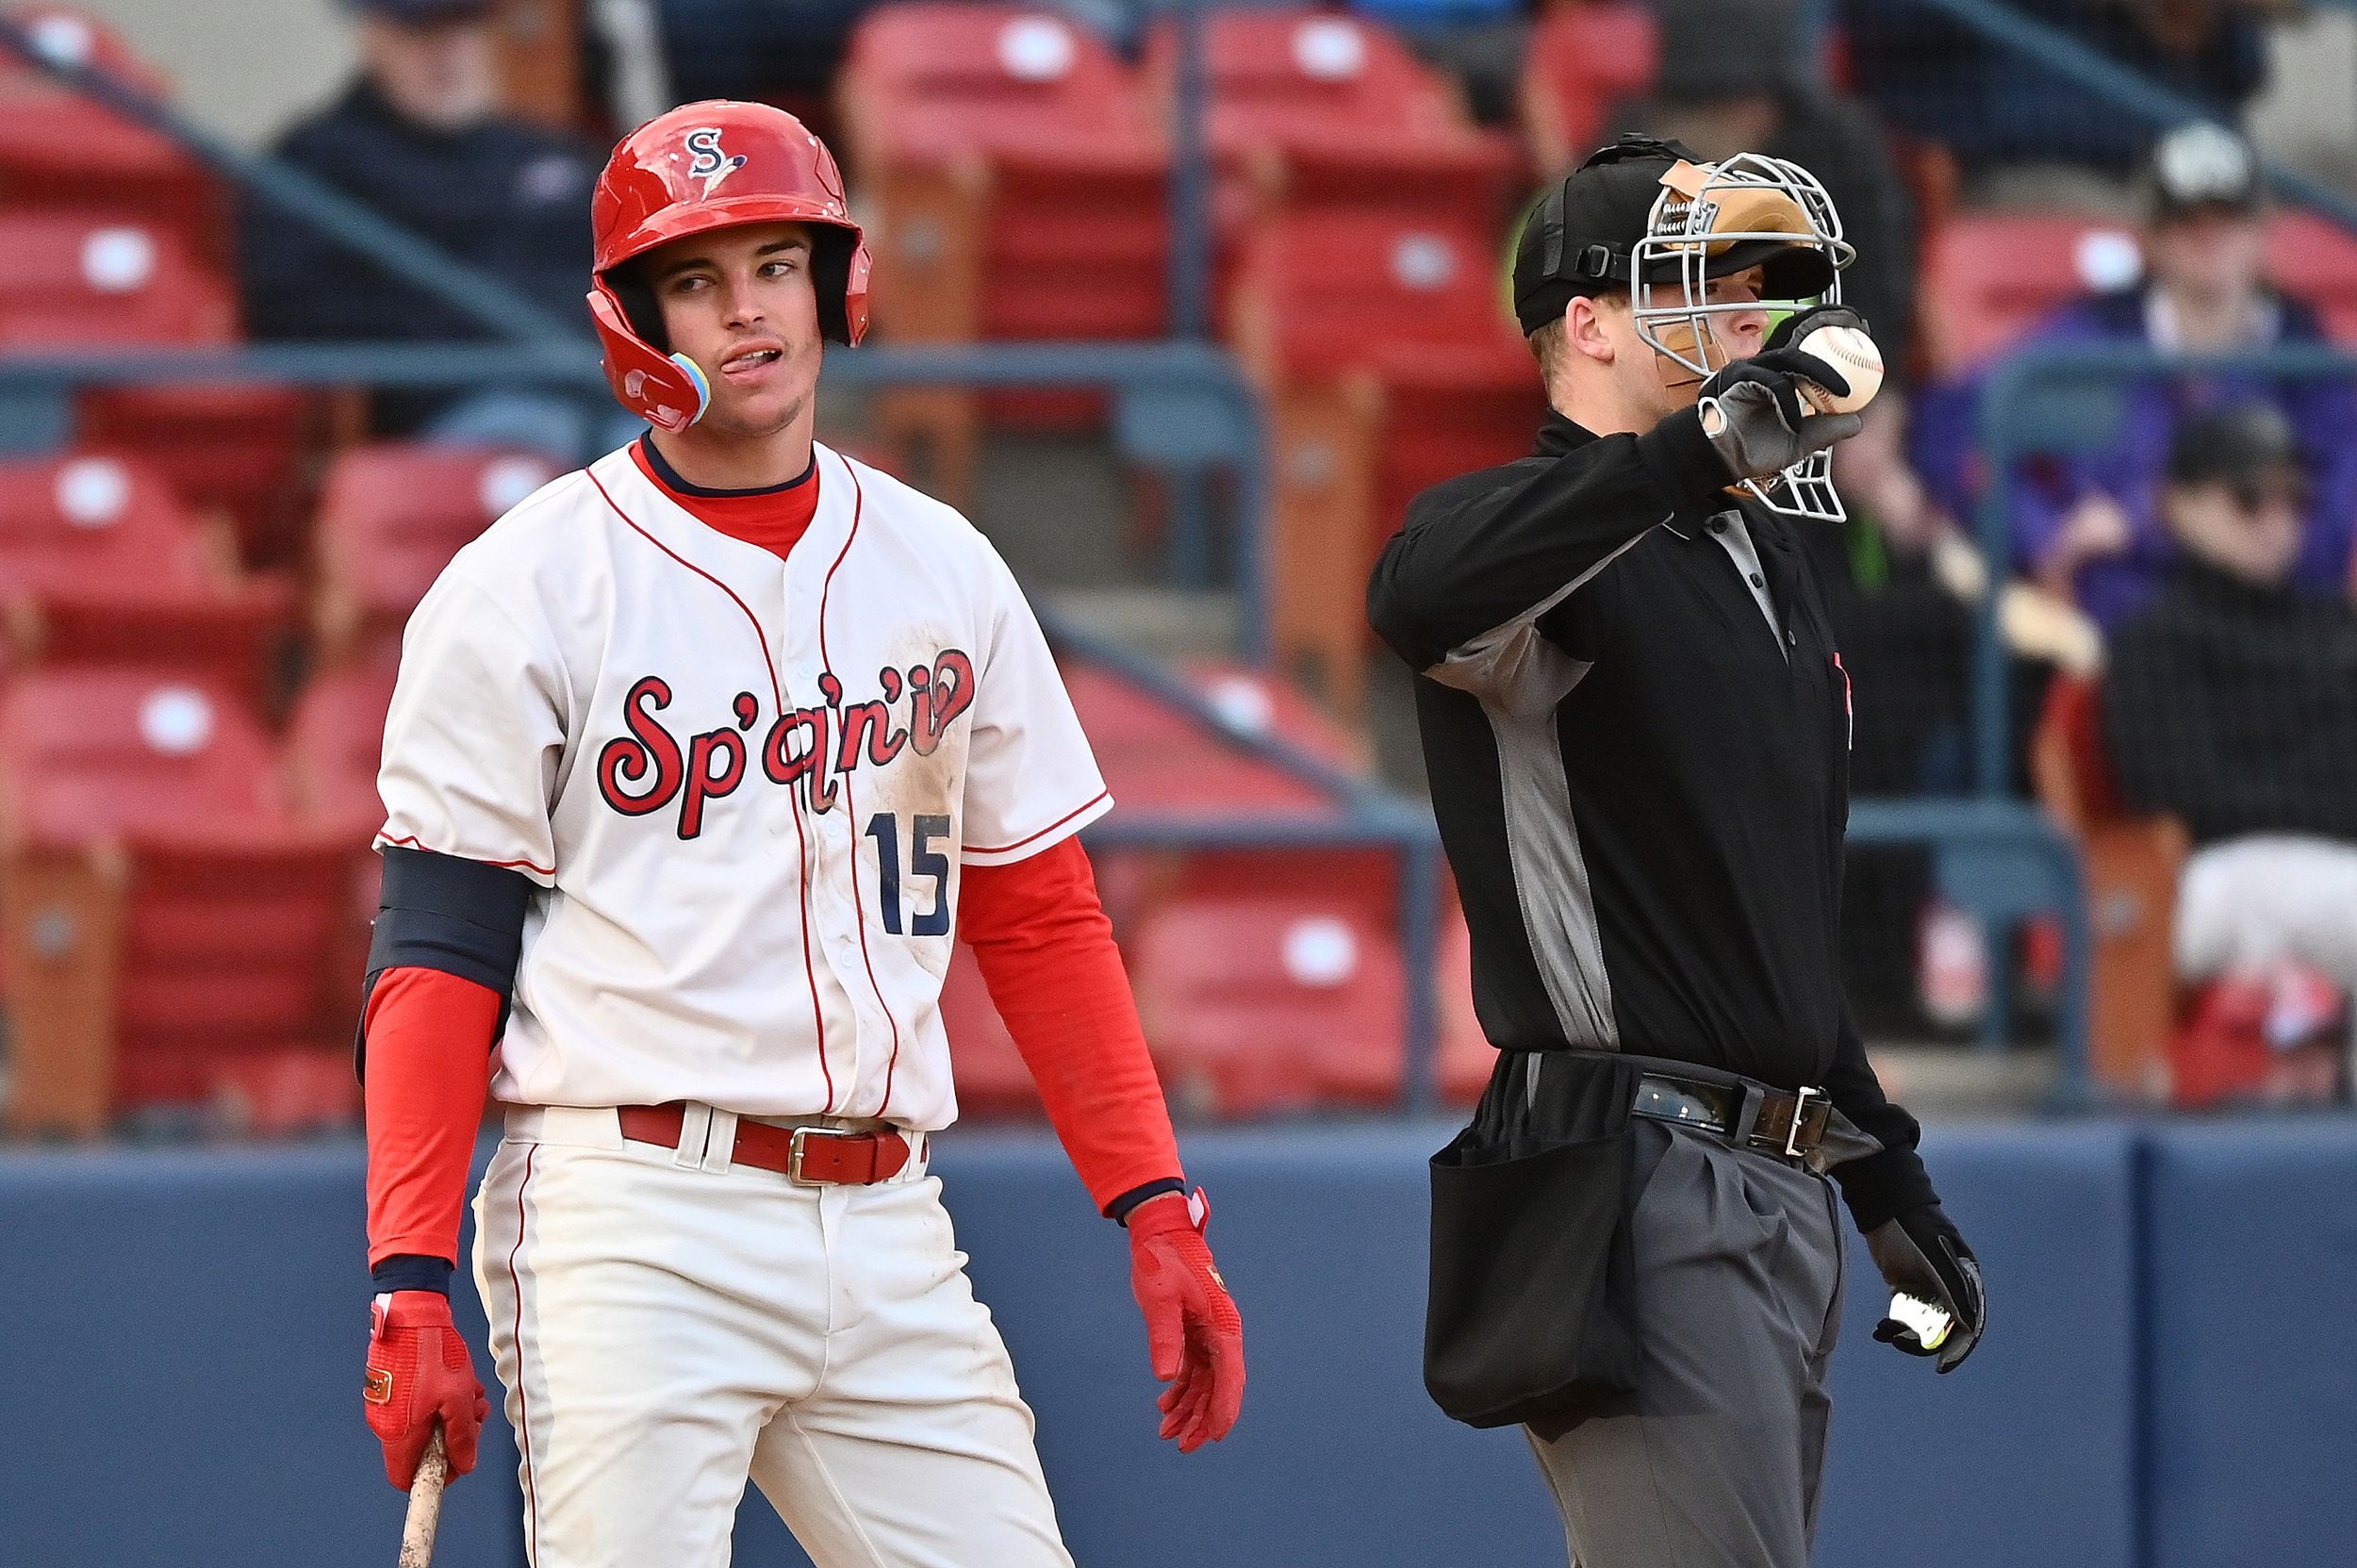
{"points": [[1735, 78], [2001, 112], [2232, 704], [2089, 527], [420, 136], [774, 53]]}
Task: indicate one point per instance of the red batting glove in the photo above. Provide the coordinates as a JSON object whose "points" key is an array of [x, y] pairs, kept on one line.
{"points": [[418, 1372], [1192, 1326]]}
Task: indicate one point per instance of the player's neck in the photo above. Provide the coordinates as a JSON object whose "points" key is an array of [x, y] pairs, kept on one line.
{"points": [[714, 461], [1599, 410]]}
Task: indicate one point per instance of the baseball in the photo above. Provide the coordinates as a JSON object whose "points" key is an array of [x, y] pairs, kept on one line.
{"points": [[1847, 349]]}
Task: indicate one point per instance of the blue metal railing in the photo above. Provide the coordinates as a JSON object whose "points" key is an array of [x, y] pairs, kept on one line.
{"points": [[1184, 404], [2051, 49]]}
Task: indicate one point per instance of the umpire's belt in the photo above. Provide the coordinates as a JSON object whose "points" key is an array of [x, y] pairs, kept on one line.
{"points": [[1788, 1122]]}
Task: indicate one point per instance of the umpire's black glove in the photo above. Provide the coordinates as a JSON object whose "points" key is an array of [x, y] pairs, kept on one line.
{"points": [[1924, 1255], [1753, 416], [1801, 322]]}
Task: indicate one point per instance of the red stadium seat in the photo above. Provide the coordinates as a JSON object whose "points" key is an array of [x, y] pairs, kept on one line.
{"points": [[1321, 112], [1156, 758], [1013, 179], [100, 563], [333, 741], [1272, 1003], [233, 451], [166, 914], [992, 1079], [1390, 365], [1467, 1058], [70, 279], [1315, 110], [392, 516], [59, 149], [2315, 259], [1994, 274], [1586, 57], [78, 281]]}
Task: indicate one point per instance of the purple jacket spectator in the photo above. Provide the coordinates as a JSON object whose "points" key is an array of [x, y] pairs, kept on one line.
{"points": [[2203, 291]]}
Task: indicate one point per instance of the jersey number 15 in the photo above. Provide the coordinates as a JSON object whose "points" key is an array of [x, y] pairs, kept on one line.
{"points": [[923, 861]]}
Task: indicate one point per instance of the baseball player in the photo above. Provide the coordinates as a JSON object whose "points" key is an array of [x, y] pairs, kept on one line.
{"points": [[700, 760], [1637, 727]]}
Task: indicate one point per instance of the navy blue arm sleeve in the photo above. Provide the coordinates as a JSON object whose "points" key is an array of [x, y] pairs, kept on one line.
{"points": [[440, 912]]}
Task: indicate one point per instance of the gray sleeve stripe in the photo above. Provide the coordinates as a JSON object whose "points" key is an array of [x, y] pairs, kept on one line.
{"points": [[1558, 908], [1495, 660]]}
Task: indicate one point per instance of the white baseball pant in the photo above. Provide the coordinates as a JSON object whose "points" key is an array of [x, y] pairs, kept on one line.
{"points": [[668, 1326], [2245, 903]]}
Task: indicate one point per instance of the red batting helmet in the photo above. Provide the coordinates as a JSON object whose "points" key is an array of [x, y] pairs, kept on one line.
{"points": [[712, 165]]}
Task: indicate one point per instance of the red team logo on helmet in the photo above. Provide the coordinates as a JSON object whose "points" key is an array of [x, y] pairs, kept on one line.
{"points": [[675, 176]]}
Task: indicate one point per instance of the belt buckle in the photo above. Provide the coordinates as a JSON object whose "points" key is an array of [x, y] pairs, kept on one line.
{"points": [[796, 1145], [1800, 1108]]}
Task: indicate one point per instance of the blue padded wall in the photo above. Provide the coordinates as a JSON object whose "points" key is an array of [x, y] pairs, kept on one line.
{"points": [[181, 1336], [2252, 1274]]}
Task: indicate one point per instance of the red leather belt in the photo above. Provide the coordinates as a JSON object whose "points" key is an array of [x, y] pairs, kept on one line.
{"points": [[807, 1156]]}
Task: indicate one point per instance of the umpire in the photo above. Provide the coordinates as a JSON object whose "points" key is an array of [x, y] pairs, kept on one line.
{"points": [[1636, 725]]}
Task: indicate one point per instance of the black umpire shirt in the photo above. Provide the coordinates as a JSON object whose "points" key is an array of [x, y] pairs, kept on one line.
{"points": [[1637, 730]]}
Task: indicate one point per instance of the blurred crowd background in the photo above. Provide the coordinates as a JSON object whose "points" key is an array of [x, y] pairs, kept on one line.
{"points": [[1182, 306]]}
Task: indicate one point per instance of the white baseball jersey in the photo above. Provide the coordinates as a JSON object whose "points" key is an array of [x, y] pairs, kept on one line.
{"points": [[743, 784]]}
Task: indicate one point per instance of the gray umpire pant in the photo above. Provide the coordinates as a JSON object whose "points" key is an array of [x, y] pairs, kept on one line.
{"points": [[1713, 1461]]}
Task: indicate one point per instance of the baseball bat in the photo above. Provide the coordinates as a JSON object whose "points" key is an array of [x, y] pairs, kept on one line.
{"points": [[425, 1504]]}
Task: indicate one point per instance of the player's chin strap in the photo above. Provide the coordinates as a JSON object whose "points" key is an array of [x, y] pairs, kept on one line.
{"points": [[668, 390]]}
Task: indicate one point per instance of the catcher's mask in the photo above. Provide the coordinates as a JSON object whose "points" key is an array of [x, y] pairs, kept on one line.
{"points": [[1716, 220]]}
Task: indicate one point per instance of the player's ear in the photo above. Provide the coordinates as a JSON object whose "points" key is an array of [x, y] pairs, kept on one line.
{"points": [[1584, 330]]}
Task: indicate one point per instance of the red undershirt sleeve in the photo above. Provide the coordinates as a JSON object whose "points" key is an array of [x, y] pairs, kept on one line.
{"points": [[429, 1053], [1047, 953]]}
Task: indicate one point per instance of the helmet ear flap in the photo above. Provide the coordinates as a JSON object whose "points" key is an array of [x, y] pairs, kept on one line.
{"points": [[836, 253], [667, 390]]}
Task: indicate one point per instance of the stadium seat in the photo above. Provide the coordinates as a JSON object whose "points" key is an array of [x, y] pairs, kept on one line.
{"points": [[235, 452], [1269, 1003], [2133, 861], [1467, 1058], [1312, 111], [71, 279], [1253, 702], [1155, 758], [1389, 365], [1994, 274], [334, 739], [1584, 58], [59, 149], [991, 1077], [1014, 180], [392, 516], [78, 281], [100, 563], [2315, 259], [166, 914]]}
